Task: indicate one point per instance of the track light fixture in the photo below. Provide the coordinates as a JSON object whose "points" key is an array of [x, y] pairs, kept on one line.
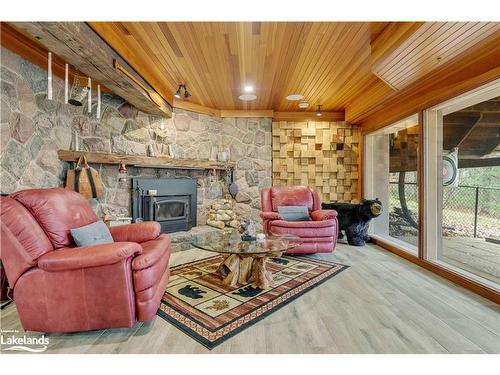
{"points": [[318, 111], [178, 93]]}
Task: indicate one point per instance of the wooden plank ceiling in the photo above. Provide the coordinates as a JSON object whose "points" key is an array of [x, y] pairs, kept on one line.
{"points": [[217, 60], [341, 66], [404, 53]]}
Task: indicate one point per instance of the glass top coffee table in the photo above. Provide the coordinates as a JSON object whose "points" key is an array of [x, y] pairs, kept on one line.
{"points": [[245, 261]]}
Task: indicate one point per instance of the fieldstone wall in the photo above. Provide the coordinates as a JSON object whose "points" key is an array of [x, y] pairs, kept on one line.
{"points": [[34, 128]]}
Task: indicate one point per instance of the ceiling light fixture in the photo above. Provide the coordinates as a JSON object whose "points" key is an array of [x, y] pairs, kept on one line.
{"points": [[248, 88], [318, 111], [247, 97], [178, 93], [295, 97], [303, 105]]}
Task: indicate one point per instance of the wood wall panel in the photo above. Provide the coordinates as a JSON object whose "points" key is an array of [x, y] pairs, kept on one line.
{"points": [[322, 155]]}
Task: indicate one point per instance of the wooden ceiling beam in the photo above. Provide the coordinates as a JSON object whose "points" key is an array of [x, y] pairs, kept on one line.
{"points": [[36, 53], [308, 116], [79, 45], [277, 116], [247, 113], [193, 107]]}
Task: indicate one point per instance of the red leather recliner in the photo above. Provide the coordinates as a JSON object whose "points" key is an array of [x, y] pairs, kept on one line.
{"points": [[62, 288], [318, 235]]}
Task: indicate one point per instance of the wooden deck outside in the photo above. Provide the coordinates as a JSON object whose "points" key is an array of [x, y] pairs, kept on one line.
{"points": [[475, 255]]}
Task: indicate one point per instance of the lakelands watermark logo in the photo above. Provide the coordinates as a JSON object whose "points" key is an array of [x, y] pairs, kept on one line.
{"points": [[15, 341]]}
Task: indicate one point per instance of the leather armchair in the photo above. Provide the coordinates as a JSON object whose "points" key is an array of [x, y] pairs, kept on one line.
{"points": [[58, 287], [319, 235]]}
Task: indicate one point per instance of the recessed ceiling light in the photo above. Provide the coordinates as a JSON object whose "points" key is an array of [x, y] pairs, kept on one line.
{"points": [[295, 97], [303, 105], [247, 97], [248, 88]]}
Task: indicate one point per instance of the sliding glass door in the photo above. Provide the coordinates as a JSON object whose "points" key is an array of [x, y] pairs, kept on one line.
{"points": [[391, 162], [462, 174]]}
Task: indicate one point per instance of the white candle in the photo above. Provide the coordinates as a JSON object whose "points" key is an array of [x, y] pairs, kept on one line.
{"points": [[77, 146], [90, 96], [66, 83], [49, 77], [98, 112]]}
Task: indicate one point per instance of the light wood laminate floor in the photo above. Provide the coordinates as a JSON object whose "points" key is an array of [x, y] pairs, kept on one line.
{"points": [[381, 304]]}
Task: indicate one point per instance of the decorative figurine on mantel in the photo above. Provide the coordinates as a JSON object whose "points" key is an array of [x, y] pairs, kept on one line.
{"points": [[249, 230]]}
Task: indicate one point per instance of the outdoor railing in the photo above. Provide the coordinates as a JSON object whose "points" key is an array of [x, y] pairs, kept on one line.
{"points": [[470, 211]]}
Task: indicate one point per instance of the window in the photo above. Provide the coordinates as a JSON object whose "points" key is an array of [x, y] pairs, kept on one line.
{"points": [[391, 161], [462, 170]]}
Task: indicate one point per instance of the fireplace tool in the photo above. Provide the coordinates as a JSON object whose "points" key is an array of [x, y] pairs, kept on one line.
{"points": [[232, 187]]}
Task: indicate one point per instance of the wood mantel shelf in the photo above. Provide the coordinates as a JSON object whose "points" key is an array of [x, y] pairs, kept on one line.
{"points": [[143, 161]]}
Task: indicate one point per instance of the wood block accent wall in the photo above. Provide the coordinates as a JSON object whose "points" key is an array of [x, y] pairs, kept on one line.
{"points": [[322, 155]]}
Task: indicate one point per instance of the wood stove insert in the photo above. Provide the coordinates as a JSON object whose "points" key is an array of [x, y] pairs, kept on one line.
{"points": [[169, 201]]}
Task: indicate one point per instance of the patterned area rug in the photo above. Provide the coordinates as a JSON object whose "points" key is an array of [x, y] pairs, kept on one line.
{"points": [[199, 304]]}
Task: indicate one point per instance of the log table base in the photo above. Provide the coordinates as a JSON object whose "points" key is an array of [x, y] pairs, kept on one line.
{"points": [[244, 269]]}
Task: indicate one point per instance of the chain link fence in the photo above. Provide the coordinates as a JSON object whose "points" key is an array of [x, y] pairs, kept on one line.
{"points": [[468, 211]]}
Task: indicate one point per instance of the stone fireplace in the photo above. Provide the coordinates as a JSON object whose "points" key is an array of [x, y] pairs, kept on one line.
{"points": [[169, 201], [33, 129]]}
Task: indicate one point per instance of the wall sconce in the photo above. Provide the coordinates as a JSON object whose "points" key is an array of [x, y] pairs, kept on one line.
{"points": [[181, 87]]}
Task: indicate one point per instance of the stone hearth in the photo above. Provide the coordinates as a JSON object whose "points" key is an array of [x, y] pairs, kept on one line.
{"points": [[182, 240]]}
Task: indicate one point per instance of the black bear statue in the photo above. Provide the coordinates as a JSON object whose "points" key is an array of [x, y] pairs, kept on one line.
{"points": [[354, 219]]}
